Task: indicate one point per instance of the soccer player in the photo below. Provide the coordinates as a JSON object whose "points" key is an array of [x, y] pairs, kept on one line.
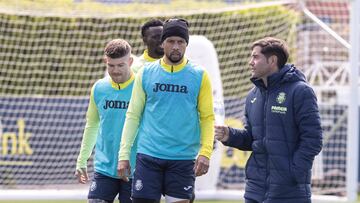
{"points": [[282, 129], [151, 36], [171, 112], [105, 117]]}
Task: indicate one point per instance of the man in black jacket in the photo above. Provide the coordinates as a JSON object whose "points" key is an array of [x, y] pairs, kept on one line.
{"points": [[282, 128]]}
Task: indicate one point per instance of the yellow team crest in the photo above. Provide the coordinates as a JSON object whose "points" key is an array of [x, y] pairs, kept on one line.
{"points": [[281, 98]]}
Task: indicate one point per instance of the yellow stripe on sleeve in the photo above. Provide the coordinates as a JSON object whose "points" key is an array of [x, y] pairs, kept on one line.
{"points": [[207, 117]]}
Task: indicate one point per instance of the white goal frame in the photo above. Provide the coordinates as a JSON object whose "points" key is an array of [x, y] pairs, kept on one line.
{"points": [[353, 138]]}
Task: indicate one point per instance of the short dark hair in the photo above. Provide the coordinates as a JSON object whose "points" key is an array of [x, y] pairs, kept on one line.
{"points": [[272, 46], [150, 23], [117, 48]]}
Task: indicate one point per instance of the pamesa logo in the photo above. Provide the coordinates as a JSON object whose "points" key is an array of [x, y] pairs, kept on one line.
{"points": [[280, 100]]}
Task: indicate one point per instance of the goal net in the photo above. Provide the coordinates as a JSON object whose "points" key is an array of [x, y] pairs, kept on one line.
{"points": [[48, 64]]}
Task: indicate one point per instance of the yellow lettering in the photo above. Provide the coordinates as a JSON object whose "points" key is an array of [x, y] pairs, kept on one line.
{"points": [[24, 147], [236, 157], [19, 144], [6, 137]]}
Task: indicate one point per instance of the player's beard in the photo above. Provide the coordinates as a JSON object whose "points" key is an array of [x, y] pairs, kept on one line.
{"points": [[175, 56]]}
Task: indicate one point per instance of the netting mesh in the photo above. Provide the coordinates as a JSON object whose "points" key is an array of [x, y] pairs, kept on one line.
{"points": [[40, 139], [331, 177], [48, 65], [63, 56], [324, 59]]}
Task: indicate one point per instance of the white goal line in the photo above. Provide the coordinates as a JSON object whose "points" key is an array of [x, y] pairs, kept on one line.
{"points": [[77, 194]]}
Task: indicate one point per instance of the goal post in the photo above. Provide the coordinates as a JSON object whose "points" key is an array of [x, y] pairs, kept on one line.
{"points": [[353, 140]]}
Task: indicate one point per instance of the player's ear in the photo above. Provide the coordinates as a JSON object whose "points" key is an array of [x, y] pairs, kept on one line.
{"points": [[144, 40], [131, 60], [273, 60]]}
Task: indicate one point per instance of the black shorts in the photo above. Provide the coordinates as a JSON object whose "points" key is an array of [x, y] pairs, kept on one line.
{"points": [[154, 176], [106, 188]]}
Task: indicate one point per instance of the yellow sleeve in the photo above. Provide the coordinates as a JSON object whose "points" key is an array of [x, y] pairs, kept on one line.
{"points": [[90, 133], [133, 116], [207, 117]]}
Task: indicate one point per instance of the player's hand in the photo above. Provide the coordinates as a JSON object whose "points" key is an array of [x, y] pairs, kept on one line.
{"points": [[201, 165], [124, 170], [82, 175], [221, 133]]}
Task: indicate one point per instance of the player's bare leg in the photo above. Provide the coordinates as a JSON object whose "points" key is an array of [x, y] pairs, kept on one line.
{"points": [[169, 199]]}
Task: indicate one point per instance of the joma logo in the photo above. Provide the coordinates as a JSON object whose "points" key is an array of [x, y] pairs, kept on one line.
{"points": [[170, 88], [279, 109], [113, 104]]}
